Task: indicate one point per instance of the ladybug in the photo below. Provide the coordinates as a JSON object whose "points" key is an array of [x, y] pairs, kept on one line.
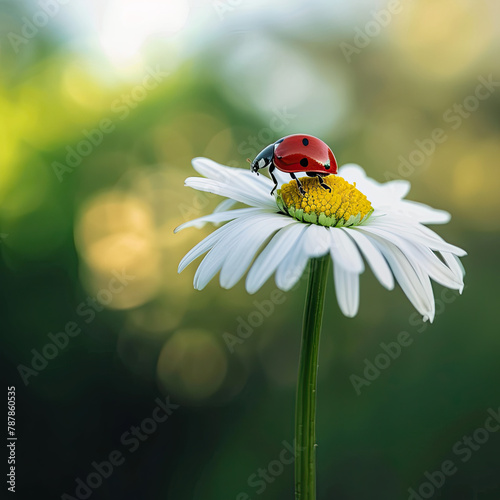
{"points": [[298, 153]]}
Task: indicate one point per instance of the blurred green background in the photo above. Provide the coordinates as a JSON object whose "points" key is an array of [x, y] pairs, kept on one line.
{"points": [[103, 104]]}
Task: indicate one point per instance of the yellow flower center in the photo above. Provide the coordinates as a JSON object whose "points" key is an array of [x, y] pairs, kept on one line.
{"points": [[344, 205]]}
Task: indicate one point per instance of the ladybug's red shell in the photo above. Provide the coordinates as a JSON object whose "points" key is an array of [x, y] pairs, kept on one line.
{"points": [[304, 153]]}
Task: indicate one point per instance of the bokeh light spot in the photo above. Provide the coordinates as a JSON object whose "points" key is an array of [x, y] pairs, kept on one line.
{"points": [[192, 365], [115, 232]]}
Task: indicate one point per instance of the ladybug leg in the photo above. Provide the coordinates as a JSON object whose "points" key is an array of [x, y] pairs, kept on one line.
{"points": [[322, 184], [299, 185], [271, 170]]}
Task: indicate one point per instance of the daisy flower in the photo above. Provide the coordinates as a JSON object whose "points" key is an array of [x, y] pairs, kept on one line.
{"points": [[359, 222], [348, 219]]}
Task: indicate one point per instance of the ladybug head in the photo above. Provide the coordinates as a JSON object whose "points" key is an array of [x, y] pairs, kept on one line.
{"points": [[263, 159]]}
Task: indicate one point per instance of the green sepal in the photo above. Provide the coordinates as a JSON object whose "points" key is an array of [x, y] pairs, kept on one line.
{"points": [[365, 218], [322, 219], [312, 218]]}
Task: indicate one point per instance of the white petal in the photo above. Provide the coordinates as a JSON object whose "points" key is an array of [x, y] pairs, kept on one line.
{"points": [[426, 283], [211, 169], [222, 250], [423, 257], [292, 266], [352, 172], [271, 257], [237, 191], [423, 213], [456, 267], [228, 175], [248, 243], [346, 289], [344, 252], [232, 176], [432, 266], [397, 189], [206, 244], [431, 234], [213, 261], [230, 228], [407, 277], [316, 241], [374, 258], [221, 217], [225, 205], [389, 196], [419, 235]]}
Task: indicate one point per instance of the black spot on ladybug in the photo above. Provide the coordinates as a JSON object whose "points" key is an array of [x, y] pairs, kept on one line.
{"points": [[304, 162], [305, 141], [327, 166]]}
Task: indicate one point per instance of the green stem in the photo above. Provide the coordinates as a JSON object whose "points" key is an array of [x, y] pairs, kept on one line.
{"points": [[305, 407]]}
